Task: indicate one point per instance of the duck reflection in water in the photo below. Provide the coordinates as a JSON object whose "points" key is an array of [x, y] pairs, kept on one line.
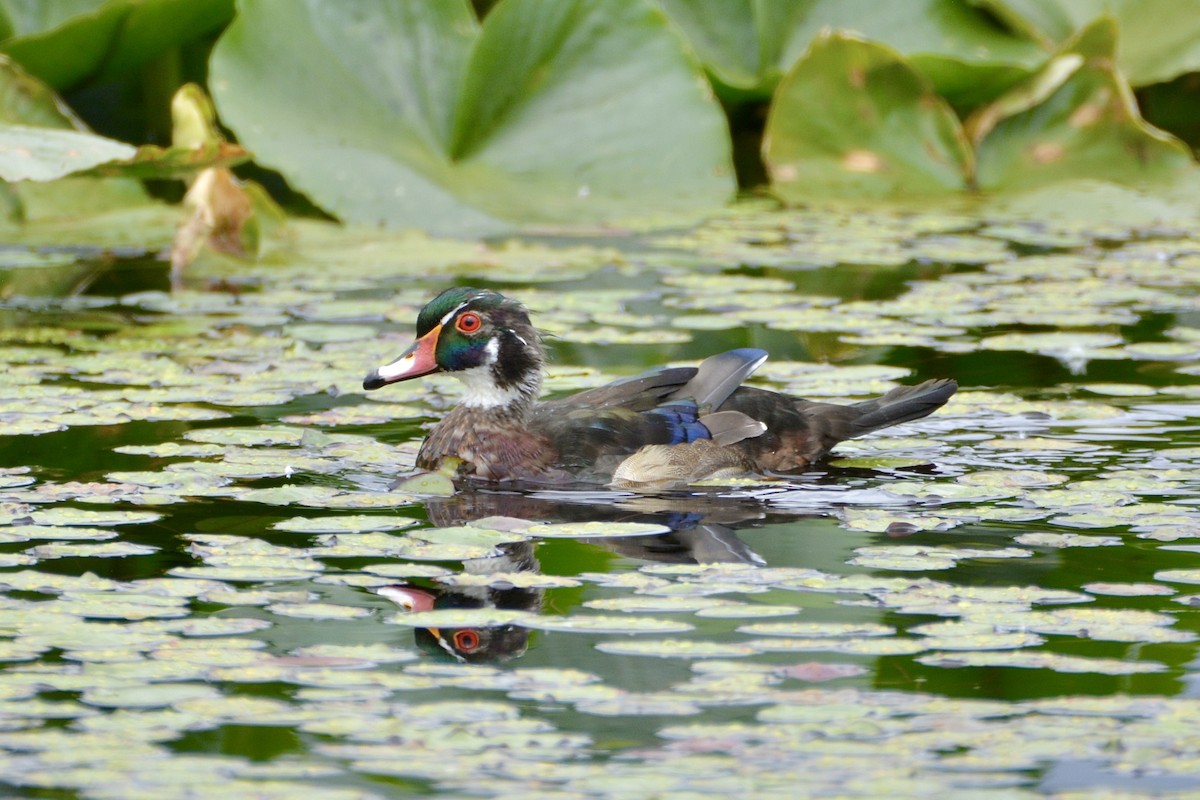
{"points": [[704, 534]]}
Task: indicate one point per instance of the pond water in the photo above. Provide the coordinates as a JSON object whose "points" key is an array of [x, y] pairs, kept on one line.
{"points": [[201, 535]]}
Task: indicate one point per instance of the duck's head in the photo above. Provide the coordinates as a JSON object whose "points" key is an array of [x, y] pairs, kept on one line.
{"points": [[481, 337]]}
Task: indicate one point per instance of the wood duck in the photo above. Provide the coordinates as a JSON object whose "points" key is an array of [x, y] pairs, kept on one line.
{"points": [[661, 429]]}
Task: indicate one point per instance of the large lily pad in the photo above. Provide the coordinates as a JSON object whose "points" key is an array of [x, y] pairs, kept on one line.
{"points": [[551, 111], [1160, 39], [748, 45], [64, 42], [881, 129], [42, 154], [1076, 118]]}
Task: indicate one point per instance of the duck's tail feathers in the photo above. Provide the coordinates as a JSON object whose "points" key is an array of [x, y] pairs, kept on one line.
{"points": [[902, 404]]}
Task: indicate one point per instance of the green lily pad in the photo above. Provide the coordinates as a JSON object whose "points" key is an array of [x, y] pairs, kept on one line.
{"points": [[971, 635], [746, 611], [816, 629], [43, 154], [653, 605], [73, 516], [476, 139], [584, 530], [597, 623], [357, 523], [674, 648], [218, 626], [1066, 540], [407, 570], [1075, 118], [104, 550], [462, 618], [639, 705], [868, 93], [238, 574], [1040, 660], [1157, 43], [154, 696], [22, 533], [882, 646], [1128, 589], [317, 611], [466, 536], [1178, 575], [1005, 479], [506, 580], [271, 436]]}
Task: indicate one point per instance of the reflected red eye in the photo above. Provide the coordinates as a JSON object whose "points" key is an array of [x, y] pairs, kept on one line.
{"points": [[468, 322], [466, 640]]}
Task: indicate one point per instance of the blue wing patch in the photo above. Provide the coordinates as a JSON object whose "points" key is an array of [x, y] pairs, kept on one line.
{"points": [[681, 422]]}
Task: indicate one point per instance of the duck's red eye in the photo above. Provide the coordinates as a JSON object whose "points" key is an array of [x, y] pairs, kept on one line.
{"points": [[466, 640], [468, 322]]}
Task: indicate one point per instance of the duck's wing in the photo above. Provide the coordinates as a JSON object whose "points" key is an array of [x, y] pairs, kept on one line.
{"points": [[637, 393], [719, 376], [707, 385], [667, 406]]}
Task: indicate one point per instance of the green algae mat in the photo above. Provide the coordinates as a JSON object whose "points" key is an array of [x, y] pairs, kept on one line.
{"points": [[212, 582]]}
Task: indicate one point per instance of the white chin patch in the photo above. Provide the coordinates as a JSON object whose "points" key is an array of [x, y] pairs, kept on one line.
{"points": [[482, 391]]}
